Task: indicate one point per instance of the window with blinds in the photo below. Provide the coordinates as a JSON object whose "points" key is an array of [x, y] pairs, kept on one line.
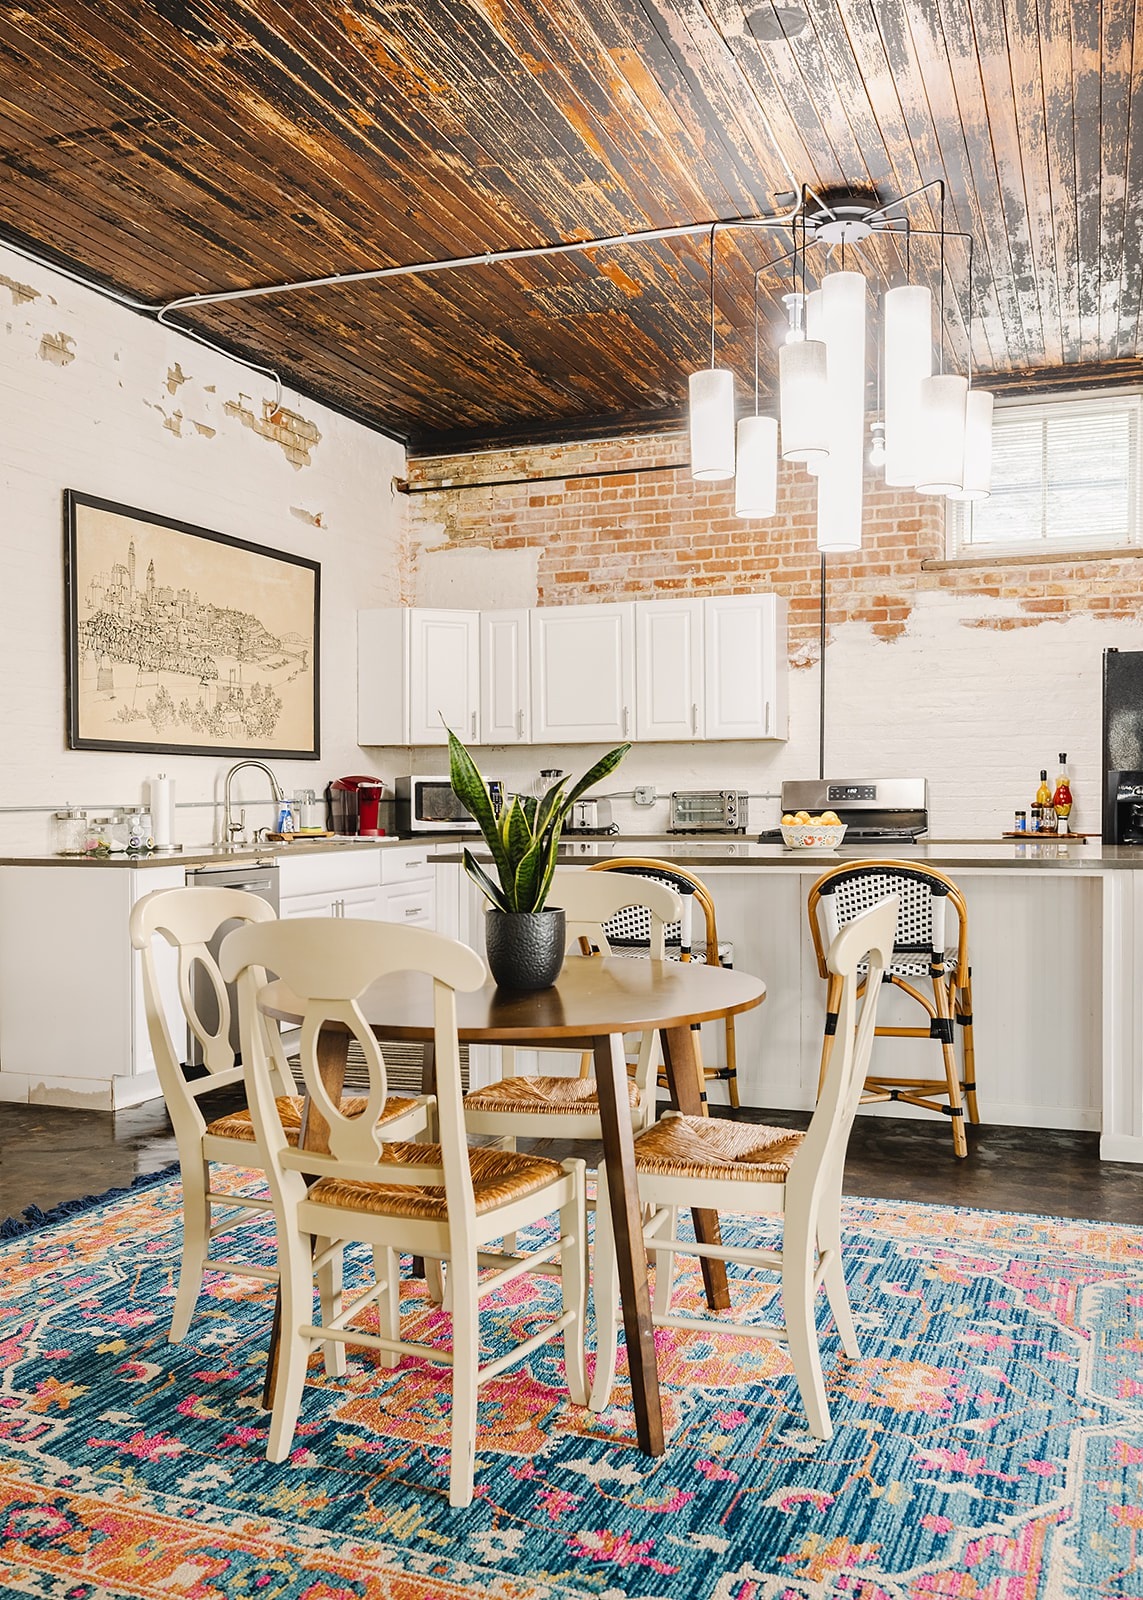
{"points": [[1065, 473]]}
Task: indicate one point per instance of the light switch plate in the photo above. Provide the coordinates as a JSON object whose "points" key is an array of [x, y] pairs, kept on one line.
{"points": [[645, 795]]}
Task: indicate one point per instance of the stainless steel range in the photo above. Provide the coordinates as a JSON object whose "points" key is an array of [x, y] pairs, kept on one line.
{"points": [[874, 809]]}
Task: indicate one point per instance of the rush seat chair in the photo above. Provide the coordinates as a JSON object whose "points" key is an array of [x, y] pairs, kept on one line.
{"points": [[444, 1201], [751, 1170], [928, 945], [190, 919]]}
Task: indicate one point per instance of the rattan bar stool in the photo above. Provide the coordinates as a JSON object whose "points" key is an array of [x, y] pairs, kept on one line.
{"points": [[630, 932], [925, 947]]}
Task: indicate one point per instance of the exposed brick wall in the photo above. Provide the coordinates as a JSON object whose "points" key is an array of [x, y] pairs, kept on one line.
{"points": [[645, 534]]}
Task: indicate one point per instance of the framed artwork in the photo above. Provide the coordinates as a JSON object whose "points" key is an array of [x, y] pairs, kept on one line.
{"points": [[186, 641]]}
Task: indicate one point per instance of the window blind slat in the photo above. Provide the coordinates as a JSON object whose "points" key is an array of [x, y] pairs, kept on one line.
{"points": [[1063, 472]]}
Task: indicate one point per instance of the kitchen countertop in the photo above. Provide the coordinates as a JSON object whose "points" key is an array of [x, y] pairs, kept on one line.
{"points": [[720, 850], [727, 851], [216, 855]]}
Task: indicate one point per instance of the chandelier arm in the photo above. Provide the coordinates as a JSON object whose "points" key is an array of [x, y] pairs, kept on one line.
{"points": [[912, 194], [490, 258], [957, 233]]}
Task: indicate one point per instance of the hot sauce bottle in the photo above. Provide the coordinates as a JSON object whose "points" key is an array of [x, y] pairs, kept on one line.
{"points": [[1062, 797]]}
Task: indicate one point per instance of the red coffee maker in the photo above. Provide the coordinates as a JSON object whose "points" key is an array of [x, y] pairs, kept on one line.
{"points": [[354, 806]]}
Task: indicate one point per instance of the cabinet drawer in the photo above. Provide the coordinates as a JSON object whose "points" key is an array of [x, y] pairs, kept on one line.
{"points": [[342, 867], [414, 905], [406, 863]]}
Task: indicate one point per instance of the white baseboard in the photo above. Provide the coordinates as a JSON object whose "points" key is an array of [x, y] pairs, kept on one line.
{"points": [[1121, 1147]]}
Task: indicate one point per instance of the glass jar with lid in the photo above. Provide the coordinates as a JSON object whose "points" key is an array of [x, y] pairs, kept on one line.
{"points": [[69, 832]]}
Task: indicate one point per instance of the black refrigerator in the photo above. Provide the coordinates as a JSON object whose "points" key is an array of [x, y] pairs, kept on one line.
{"points": [[1123, 747]]}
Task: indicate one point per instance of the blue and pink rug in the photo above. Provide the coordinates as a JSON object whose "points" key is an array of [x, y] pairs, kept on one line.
{"points": [[989, 1441]]}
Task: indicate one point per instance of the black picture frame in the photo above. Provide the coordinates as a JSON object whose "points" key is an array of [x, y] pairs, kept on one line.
{"points": [[150, 652]]}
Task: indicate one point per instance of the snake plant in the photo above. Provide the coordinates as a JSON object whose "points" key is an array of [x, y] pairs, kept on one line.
{"points": [[524, 838]]}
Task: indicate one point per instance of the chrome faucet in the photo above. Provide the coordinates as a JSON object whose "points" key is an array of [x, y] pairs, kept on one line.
{"points": [[229, 828]]}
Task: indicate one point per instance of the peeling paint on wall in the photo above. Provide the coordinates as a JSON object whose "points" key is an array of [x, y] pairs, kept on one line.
{"points": [[312, 519], [21, 292], [175, 423], [205, 429], [175, 377], [297, 436], [58, 348]]}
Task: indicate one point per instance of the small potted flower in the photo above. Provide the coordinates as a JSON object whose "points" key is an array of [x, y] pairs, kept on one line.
{"points": [[524, 937]]}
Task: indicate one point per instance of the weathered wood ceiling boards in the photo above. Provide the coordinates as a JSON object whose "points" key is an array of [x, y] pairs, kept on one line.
{"points": [[168, 147]]}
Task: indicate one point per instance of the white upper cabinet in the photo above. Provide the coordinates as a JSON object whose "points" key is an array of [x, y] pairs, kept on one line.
{"points": [[505, 678], [663, 670], [669, 669], [418, 672], [583, 673], [744, 650]]}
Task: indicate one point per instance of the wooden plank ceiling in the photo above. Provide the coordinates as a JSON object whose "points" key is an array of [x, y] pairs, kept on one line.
{"points": [[168, 147]]}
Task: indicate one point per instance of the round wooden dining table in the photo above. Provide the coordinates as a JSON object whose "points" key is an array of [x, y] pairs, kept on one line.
{"points": [[593, 1003]]}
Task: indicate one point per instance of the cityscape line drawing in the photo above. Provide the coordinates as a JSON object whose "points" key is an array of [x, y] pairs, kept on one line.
{"points": [[186, 640]]}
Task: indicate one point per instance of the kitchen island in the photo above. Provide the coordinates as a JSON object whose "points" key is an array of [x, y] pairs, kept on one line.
{"points": [[1056, 942]]}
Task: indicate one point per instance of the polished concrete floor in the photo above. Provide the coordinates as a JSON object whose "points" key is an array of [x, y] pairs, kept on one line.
{"points": [[48, 1155]]}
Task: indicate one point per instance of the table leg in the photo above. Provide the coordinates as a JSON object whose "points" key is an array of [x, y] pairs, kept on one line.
{"points": [[684, 1080], [626, 1220], [332, 1054], [428, 1086]]}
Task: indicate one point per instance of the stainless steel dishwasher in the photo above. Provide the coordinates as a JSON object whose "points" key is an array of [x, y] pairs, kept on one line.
{"points": [[256, 877]]}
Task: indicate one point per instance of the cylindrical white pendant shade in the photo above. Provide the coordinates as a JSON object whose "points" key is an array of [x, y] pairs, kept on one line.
{"points": [[712, 424], [841, 478], [756, 467], [977, 483], [908, 312], [804, 397], [940, 451]]}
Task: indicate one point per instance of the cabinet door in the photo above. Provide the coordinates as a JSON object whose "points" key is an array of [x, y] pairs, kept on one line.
{"points": [[583, 673], [322, 904], [745, 655], [444, 675], [359, 903], [669, 669], [505, 678]]}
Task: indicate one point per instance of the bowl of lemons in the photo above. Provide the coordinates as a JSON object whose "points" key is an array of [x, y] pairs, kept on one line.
{"points": [[802, 831]]}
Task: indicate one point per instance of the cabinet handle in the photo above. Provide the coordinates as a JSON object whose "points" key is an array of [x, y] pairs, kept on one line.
{"points": [[694, 717], [414, 862], [520, 723], [414, 911], [474, 725], [626, 720], [766, 725]]}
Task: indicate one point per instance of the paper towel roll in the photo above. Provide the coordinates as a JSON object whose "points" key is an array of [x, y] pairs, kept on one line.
{"points": [[162, 791]]}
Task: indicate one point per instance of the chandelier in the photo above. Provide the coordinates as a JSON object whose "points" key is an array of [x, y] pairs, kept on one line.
{"points": [[934, 429]]}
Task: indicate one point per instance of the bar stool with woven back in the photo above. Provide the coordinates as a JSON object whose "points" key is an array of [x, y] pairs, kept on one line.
{"points": [[924, 947], [628, 933]]}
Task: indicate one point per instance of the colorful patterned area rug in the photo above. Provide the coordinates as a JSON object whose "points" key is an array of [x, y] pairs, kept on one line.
{"points": [[988, 1445]]}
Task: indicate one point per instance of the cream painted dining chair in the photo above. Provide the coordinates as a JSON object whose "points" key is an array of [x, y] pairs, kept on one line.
{"points": [[740, 1167], [555, 1107], [191, 919], [443, 1201]]}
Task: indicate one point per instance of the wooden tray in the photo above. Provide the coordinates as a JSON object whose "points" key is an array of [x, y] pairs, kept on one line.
{"points": [[293, 838], [1028, 835]]}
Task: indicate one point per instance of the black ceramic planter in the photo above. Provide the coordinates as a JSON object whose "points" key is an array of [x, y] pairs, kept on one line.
{"points": [[525, 948]]}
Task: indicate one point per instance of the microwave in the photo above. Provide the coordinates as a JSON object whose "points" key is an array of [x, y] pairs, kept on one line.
{"points": [[428, 805]]}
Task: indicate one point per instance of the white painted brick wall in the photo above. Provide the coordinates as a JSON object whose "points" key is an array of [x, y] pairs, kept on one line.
{"points": [[107, 422]]}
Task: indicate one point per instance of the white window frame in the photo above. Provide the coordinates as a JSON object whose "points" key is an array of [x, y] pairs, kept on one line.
{"points": [[959, 547]]}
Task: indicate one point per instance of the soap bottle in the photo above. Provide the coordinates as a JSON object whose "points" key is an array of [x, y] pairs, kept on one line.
{"points": [[286, 818]]}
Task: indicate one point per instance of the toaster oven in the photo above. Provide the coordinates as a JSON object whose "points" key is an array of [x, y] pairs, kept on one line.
{"points": [[708, 811]]}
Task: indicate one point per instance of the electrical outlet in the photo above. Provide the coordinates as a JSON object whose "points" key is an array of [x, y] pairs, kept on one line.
{"points": [[645, 795]]}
